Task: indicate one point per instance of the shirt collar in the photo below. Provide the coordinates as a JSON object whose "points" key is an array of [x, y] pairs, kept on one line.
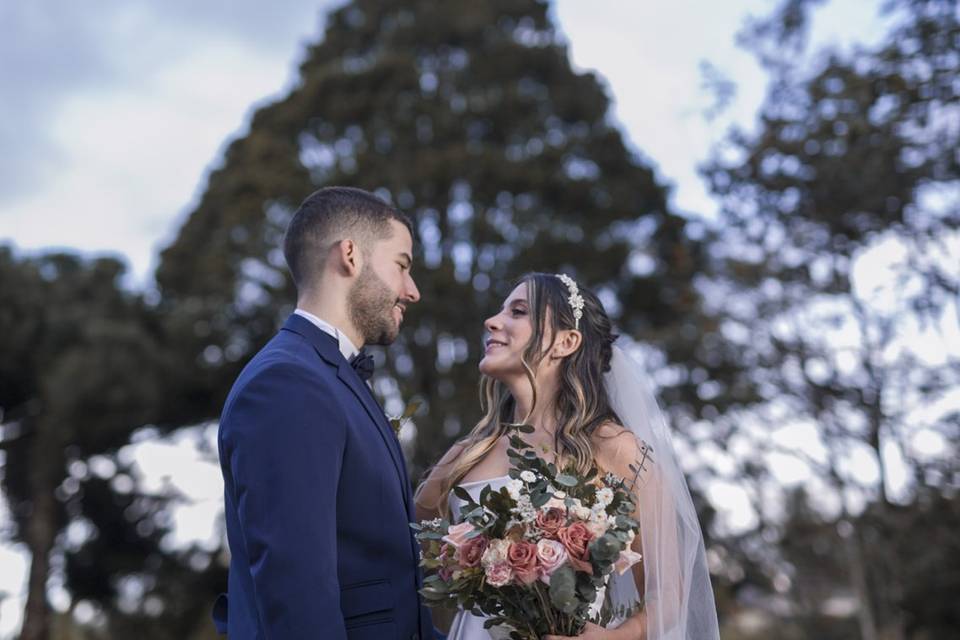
{"points": [[347, 348]]}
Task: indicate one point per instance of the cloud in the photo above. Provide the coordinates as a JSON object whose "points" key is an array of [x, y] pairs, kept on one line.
{"points": [[121, 106], [656, 82], [51, 50], [43, 57]]}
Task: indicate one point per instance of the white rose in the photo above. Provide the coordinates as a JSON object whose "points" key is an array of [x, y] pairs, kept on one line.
{"points": [[528, 476], [605, 496], [553, 503], [496, 553], [580, 512]]}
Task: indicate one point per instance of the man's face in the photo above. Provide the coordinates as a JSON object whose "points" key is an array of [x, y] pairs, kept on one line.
{"points": [[384, 288]]}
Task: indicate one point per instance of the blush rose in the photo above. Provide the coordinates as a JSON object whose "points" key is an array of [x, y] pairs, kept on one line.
{"points": [[522, 558], [576, 540]]}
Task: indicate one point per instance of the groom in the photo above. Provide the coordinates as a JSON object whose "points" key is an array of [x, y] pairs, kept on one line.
{"points": [[316, 490]]}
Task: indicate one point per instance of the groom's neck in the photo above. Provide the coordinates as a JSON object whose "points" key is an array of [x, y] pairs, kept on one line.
{"points": [[333, 312]]}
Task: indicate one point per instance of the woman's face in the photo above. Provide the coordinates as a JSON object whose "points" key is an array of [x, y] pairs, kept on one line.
{"points": [[507, 336]]}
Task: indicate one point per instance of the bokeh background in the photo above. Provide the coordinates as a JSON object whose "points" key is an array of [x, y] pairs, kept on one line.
{"points": [[766, 195]]}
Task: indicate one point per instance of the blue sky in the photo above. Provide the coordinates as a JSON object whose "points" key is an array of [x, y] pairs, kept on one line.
{"points": [[113, 110]]}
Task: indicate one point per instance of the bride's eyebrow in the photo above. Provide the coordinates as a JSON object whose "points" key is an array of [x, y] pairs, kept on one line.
{"points": [[515, 301]]}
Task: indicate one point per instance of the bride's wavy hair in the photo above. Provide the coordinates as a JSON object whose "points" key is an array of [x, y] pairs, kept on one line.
{"points": [[581, 405]]}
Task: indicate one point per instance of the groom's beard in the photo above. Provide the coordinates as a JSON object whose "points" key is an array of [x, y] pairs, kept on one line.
{"points": [[370, 305]]}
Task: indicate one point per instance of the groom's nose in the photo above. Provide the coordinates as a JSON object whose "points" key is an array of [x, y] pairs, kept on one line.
{"points": [[412, 293]]}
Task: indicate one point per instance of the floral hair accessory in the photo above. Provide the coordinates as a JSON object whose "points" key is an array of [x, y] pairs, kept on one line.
{"points": [[575, 300]]}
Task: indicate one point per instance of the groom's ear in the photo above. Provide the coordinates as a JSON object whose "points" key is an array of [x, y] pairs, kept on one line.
{"points": [[349, 258]]}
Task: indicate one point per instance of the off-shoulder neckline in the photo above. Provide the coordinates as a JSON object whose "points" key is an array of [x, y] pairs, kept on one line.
{"points": [[487, 480]]}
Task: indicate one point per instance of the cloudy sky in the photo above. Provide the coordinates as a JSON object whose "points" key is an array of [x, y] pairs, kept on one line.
{"points": [[111, 112]]}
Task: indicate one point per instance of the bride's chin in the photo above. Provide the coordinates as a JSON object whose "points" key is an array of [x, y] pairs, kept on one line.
{"points": [[488, 369]]}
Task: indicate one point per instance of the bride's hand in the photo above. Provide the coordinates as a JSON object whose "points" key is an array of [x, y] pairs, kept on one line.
{"points": [[590, 632]]}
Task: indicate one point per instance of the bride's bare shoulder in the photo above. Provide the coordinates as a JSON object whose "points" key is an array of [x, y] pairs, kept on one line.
{"points": [[617, 449], [447, 462]]}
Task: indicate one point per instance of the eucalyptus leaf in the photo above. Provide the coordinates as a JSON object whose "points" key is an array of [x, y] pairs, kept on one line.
{"points": [[563, 584], [566, 480], [464, 495], [539, 499]]}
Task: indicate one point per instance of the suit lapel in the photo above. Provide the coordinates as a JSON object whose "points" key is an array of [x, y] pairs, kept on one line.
{"points": [[350, 378], [326, 346]]}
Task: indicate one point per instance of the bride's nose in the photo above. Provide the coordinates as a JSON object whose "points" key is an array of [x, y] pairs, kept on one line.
{"points": [[492, 323]]}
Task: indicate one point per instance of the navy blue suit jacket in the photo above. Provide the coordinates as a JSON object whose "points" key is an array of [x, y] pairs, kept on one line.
{"points": [[317, 502]]}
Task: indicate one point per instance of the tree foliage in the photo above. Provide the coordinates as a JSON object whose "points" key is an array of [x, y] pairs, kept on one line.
{"points": [[81, 366], [837, 260]]}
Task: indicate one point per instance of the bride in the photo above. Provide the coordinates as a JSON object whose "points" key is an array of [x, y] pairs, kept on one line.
{"points": [[551, 362]]}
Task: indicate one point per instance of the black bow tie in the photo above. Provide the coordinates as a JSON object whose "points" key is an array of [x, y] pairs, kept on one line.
{"points": [[362, 363]]}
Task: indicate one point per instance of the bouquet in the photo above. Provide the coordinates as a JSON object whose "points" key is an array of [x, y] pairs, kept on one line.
{"points": [[535, 555]]}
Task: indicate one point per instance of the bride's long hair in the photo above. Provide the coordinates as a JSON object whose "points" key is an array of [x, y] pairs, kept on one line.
{"points": [[581, 405]]}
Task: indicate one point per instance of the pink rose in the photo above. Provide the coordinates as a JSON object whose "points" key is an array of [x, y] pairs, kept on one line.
{"points": [[471, 551], [576, 539], [522, 558], [627, 559], [550, 556], [499, 574], [550, 521], [457, 534]]}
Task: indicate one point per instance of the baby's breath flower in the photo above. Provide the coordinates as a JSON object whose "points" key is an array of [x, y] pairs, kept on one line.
{"points": [[525, 509]]}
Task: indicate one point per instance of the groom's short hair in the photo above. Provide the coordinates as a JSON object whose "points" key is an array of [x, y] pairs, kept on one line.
{"points": [[328, 216]]}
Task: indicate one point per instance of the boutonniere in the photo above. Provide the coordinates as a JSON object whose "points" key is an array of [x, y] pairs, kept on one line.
{"points": [[397, 422]]}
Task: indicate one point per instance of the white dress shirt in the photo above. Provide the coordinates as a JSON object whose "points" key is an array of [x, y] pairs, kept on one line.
{"points": [[347, 348]]}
